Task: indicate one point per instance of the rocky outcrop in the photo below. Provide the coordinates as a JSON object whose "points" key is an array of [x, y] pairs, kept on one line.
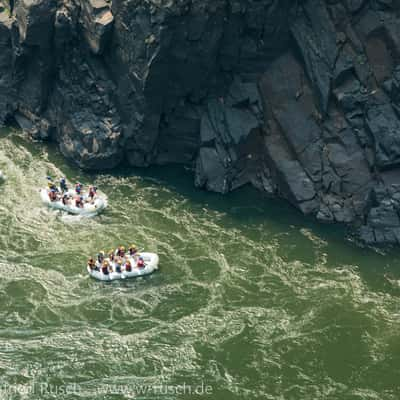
{"points": [[230, 139], [97, 21], [301, 99]]}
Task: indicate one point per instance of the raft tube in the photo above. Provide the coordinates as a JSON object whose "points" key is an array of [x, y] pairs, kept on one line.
{"points": [[90, 208], [150, 265]]}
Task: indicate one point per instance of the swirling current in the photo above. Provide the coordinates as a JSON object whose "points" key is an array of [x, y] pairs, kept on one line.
{"points": [[252, 301]]}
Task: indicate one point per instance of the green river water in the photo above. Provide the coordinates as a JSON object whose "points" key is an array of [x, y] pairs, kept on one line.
{"points": [[252, 301]]}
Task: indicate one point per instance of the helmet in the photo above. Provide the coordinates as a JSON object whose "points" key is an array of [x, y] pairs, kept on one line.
{"points": [[119, 261], [122, 248], [106, 263], [81, 197], [49, 178], [101, 252], [133, 246]]}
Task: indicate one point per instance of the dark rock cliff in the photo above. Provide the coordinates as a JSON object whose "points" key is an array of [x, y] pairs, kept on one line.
{"points": [[299, 98]]}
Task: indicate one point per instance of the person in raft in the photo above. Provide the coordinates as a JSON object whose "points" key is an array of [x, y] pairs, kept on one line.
{"points": [[140, 263], [118, 267], [128, 266], [100, 257], [132, 250], [105, 267], [51, 185], [120, 252], [78, 188], [79, 201], [65, 199], [91, 264], [63, 185], [92, 192], [53, 195]]}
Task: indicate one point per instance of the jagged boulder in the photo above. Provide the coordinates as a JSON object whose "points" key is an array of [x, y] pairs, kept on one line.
{"points": [[91, 142], [384, 125], [293, 182], [97, 21], [315, 36], [230, 133], [36, 21]]}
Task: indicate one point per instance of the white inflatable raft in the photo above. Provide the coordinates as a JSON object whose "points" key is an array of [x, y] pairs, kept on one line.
{"points": [[150, 265], [89, 208]]}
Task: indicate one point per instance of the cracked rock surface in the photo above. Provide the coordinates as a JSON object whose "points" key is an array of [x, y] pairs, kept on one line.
{"points": [[299, 98]]}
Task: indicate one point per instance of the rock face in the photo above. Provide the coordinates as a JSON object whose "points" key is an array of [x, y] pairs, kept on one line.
{"points": [[299, 98]]}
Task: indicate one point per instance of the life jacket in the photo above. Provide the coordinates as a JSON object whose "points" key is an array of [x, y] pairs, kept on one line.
{"points": [[78, 188], [140, 263], [128, 267], [118, 269]]}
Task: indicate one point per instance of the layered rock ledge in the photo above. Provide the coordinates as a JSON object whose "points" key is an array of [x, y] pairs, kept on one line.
{"points": [[299, 98]]}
